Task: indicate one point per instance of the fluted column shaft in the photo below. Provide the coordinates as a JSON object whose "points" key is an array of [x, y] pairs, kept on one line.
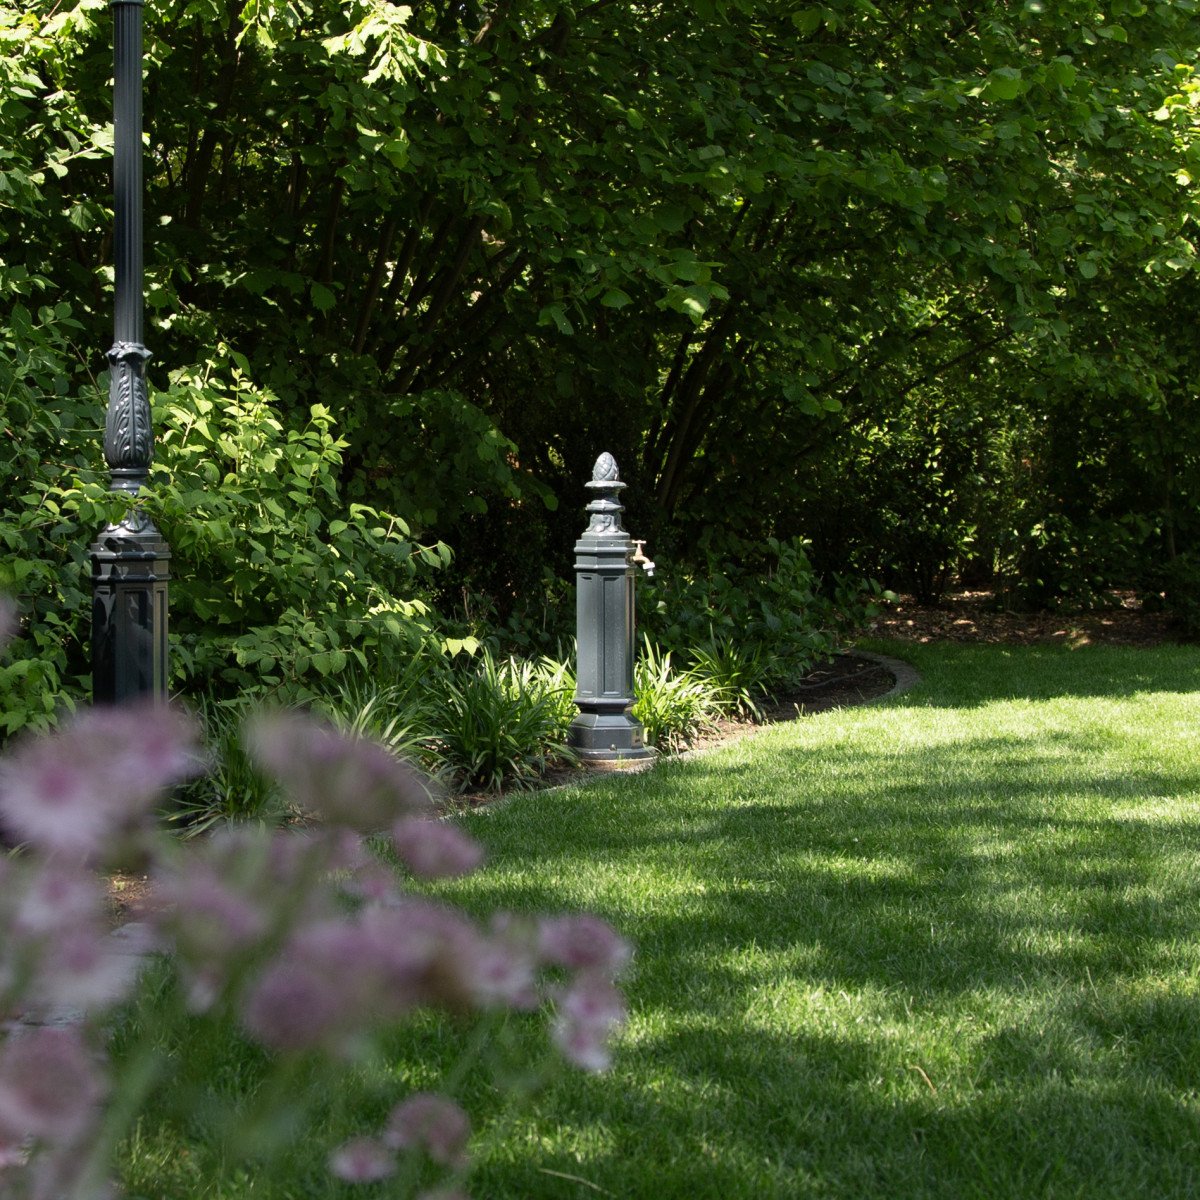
{"points": [[127, 169]]}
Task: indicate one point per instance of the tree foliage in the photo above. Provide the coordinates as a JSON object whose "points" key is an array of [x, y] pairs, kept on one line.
{"points": [[835, 270]]}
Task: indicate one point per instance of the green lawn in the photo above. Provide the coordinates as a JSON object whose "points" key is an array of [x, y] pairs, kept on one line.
{"points": [[944, 946]]}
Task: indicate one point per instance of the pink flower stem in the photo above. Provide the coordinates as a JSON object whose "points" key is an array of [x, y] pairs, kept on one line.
{"points": [[481, 1035], [130, 1091]]}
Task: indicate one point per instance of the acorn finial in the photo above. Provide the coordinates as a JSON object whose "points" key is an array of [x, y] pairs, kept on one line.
{"points": [[605, 469]]}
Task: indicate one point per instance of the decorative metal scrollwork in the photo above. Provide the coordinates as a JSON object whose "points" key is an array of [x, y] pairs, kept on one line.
{"points": [[128, 437]]}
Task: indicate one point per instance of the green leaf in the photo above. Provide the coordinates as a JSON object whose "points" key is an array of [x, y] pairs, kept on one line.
{"points": [[556, 314], [615, 298], [1062, 73], [323, 299], [1005, 83]]}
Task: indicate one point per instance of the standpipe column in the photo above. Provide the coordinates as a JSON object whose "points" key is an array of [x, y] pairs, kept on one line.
{"points": [[130, 559], [604, 732]]}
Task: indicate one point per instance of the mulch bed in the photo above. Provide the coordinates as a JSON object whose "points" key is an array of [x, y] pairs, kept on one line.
{"points": [[977, 616]]}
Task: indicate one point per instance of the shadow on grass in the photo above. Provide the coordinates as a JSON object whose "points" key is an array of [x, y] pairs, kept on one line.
{"points": [[967, 969], [870, 965]]}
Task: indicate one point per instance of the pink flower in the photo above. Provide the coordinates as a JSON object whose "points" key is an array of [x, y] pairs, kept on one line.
{"points": [[74, 792], [504, 967], [330, 985], [59, 930], [432, 849], [346, 780], [12, 1153], [362, 1160], [583, 941], [58, 896], [425, 953], [147, 746], [211, 925], [375, 883], [280, 865], [49, 1085], [49, 800], [338, 979], [206, 910], [433, 1123], [293, 1008], [84, 969], [590, 1013]]}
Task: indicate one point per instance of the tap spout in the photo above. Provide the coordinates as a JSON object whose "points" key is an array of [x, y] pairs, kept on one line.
{"points": [[639, 557]]}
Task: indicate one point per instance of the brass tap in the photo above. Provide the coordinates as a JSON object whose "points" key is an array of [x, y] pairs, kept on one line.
{"points": [[640, 558]]}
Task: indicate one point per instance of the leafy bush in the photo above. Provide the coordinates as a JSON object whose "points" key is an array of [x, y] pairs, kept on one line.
{"points": [[1061, 563], [276, 584], [1181, 582], [52, 505], [231, 788], [480, 722], [917, 493], [738, 671], [399, 715], [767, 604]]}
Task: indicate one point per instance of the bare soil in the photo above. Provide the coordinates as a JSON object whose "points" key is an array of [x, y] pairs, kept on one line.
{"points": [[976, 616]]}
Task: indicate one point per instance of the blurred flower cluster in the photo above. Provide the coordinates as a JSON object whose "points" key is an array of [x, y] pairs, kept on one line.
{"points": [[306, 935]]}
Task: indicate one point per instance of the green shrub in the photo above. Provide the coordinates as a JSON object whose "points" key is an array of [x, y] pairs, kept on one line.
{"points": [[231, 788], [739, 671], [501, 722], [672, 705], [767, 603], [1062, 563], [1181, 592], [400, 715], [276, 584], [53, 502]]}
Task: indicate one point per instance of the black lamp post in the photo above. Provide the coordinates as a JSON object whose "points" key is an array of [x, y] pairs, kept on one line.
{"points": [[130, 559]]}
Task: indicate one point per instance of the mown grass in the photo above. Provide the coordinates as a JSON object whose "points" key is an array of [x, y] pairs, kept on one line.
{"points": [[948, 946]]}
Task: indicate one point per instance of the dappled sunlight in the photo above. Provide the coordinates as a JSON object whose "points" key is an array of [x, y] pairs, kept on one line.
{"points": [[965, 920]]}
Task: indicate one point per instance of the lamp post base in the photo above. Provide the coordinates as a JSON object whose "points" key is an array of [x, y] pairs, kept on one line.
{"points": [[130, 573], [603, 738]]}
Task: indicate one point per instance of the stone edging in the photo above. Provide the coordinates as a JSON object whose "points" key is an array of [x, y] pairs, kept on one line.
{"points": [[133, 942], [906, 676]]}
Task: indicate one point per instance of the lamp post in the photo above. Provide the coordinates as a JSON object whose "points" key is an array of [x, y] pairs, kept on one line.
{"points": [[129, 559], [604, 733]]}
